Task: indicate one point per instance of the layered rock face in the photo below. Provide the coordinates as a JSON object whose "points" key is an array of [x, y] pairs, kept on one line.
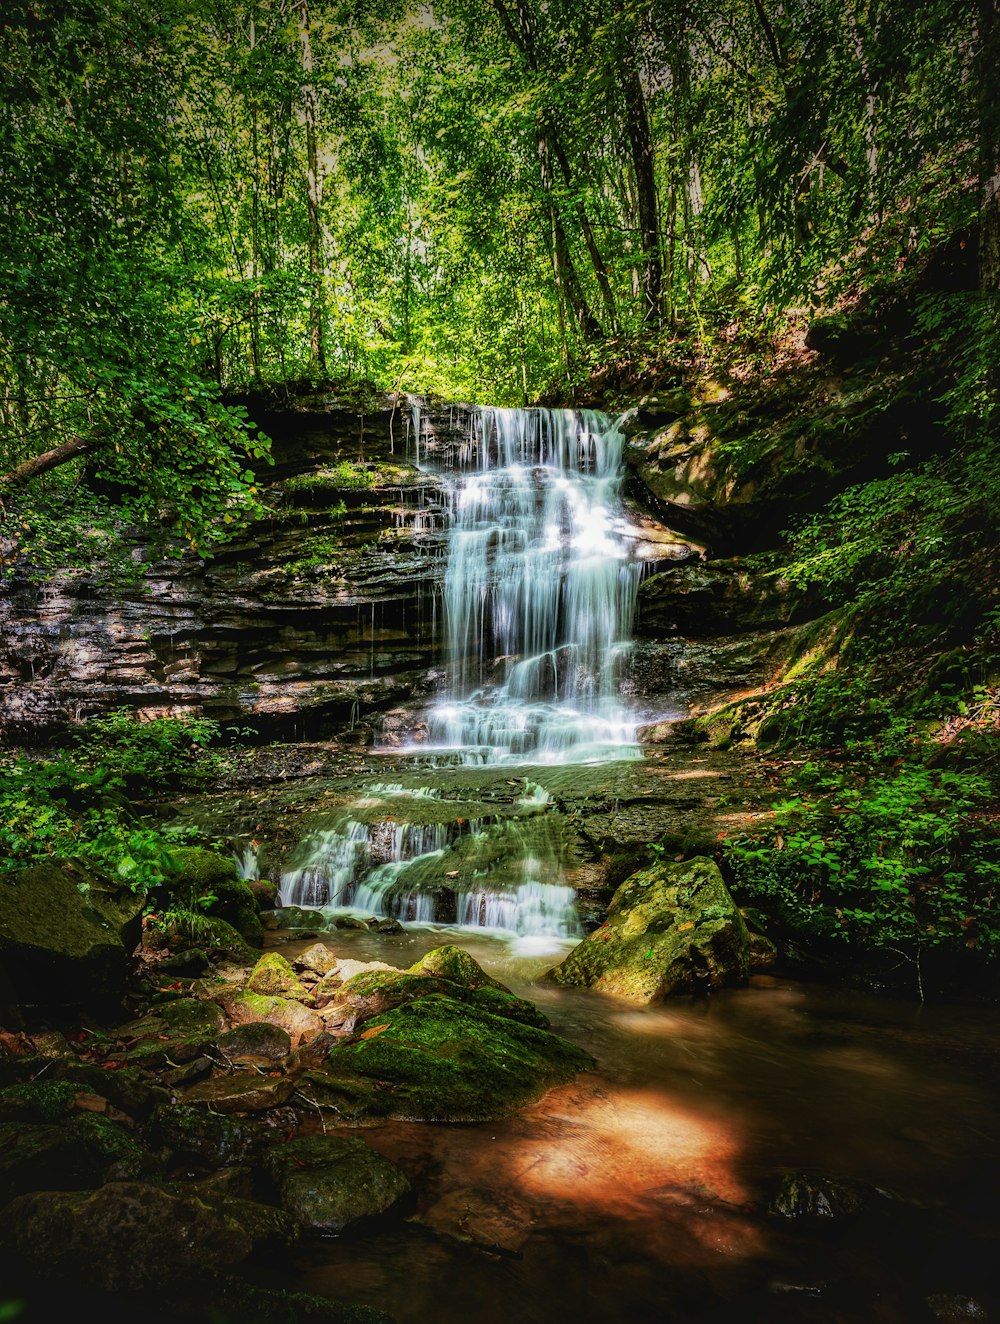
{"points": [[318, 616]]}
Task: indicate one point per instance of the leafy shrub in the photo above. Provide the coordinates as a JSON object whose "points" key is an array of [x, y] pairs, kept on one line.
{"points": [[904, 855]]}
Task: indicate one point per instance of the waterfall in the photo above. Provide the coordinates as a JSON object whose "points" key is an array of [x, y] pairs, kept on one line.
{"points": [[539, 591]]}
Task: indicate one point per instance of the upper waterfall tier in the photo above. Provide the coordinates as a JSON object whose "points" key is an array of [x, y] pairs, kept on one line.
{"points": [[539, 590]]}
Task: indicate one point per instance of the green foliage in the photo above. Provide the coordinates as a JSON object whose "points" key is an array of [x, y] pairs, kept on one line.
{"points": [[897, 854], [77, 803]]}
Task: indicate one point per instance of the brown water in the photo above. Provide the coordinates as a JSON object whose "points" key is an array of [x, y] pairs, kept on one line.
{"points": [[640, 1192]]}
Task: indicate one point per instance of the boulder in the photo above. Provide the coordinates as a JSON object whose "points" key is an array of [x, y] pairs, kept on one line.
{"points": [[247, 1092], [318, 958], [257, 1039], [326, 1183], [802, 1196], [440, 1059], [451, 962], [75, 1153], [123, 1237], [672, 928], [66, 937], [202, 874], [274, 976], [198, 1135], [299, 917], [373, 992], [243, 1007]]}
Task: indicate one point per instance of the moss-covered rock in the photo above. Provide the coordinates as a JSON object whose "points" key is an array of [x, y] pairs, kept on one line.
{"points": [[450, 962], [80, 1151], [66, 938], [248, 1092], [202, 874], [244, 1006], [123, 1237], [318, 958], [233, 1298], [326, 1183], [192, 1018], [274, 976], [195, 1134], [299, 917], [371, 993], [672, 928], [127, 1088], [256, 1039], [440, 1059]]}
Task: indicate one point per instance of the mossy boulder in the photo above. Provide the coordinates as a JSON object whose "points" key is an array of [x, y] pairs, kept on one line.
{"points": [[371, 993], [326, 1183], [195, 1134], [672, 928], [192, 1018], [123, 1237], [273, 975], [439, 1059], [66, 938], [203, 873], [451, 962], [78, 1152], [244, 1006], [299, 917], [318, 958]]}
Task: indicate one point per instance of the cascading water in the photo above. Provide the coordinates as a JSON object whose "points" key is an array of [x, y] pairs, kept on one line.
{"points": [[539, 591], [538, 600]]}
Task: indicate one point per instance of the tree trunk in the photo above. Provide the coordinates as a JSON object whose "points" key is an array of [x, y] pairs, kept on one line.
{"points": [[562, 262], [317, 348], [989, 146], [641, 145], [40, 464]]}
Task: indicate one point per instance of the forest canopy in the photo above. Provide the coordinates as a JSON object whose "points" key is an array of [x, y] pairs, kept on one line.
{"points": [[472, 198]]}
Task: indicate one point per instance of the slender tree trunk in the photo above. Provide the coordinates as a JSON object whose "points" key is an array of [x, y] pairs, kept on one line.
{"points": [[563, 269], [989, 146], [641, 145], [317, 348], [586, 229]]}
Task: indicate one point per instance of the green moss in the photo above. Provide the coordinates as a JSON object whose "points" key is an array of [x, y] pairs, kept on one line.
{"points": [[38, 1101], [441, 1059], [450, 962], [383, 989], [273, 975], [191, 1133]]}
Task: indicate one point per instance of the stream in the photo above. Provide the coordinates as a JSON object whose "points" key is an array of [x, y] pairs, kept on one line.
{"points": [[641, 1191]]}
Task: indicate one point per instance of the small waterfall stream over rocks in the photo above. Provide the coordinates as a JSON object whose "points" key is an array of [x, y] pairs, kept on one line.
{"points": [[537, 605]]}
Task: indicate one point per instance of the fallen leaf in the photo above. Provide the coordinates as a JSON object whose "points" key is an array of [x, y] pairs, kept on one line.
{"points": [[374, 1030]]}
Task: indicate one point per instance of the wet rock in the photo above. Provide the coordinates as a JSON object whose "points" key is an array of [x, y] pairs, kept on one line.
{"points": [[298, 917], [318, 958], [243, 1007], [265, 894], [954, 1308], [763, 953], [439, 1059], [129, 1089], [249, 1091], [814, 1198], [66, 937], [197, 1134], [192, 1018], [273, 975], [256, 1039], [216, 937], [193, 962], [387, 927], [672, 928], [125, 1236], [326, 1183]]}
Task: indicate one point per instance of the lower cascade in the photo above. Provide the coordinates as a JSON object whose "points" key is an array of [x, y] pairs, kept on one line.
{"points": [[538, 599]]}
